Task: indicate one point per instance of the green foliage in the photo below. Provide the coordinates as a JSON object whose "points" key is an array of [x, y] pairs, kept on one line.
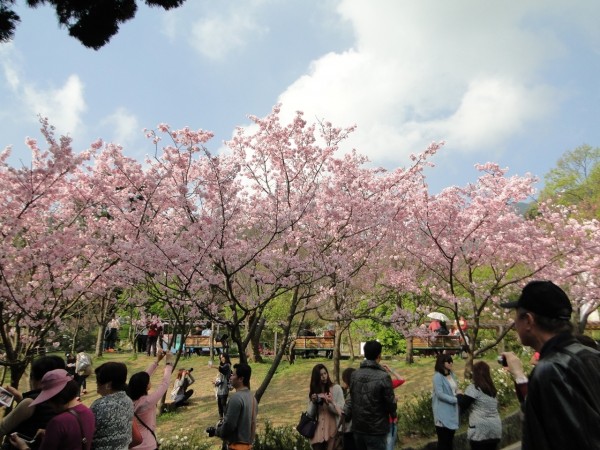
{"points": [[575, 181], [415, 416], [392, 341], [276, 438]]}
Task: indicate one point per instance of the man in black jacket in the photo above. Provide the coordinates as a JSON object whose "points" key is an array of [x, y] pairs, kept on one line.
{"points": [[561, 399], [372, 401]]}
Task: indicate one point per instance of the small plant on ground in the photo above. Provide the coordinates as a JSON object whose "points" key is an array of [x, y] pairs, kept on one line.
{"points": [[415, 416], [186, 439], [277, 438]]}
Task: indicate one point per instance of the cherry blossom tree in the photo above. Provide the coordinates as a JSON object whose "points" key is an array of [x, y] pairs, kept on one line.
{"points": [[474, 249], [49, 262], [578, 271]]}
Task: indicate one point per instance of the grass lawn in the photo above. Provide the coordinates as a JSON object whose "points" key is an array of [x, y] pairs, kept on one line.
{"points": [[285, 398]]}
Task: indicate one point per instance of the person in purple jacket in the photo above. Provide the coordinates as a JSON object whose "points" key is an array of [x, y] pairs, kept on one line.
{"points": [[73, 427]]}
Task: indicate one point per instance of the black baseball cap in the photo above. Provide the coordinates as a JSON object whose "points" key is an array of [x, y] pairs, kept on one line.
{"points": [[544, 298]]}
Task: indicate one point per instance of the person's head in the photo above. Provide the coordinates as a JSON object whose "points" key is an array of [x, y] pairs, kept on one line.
{"points": [[443, 364], [543, 310], [482, 379], [58, 389], [319, 380], [240, 376], [347, 376], [41, 366], [224, 358], [111, 377], [372, 350], [80, 349], [180, 375], [138, 386]]}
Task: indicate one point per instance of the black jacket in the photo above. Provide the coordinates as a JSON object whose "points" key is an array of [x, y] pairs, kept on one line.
{"points": [[562, 408], [372, 400]]}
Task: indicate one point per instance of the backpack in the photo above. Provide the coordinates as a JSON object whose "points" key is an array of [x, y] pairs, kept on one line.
{"points": [[84, 368]]}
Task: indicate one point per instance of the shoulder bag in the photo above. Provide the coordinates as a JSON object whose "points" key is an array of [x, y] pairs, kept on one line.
{"points": [[307, 425], [148, 428], [84, 441]]}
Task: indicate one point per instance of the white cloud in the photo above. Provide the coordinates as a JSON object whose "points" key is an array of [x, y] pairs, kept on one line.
{"points": [[466, 72], [124, 127], [62, 106], [218, 36]]}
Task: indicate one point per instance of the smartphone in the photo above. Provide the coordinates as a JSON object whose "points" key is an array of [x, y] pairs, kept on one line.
{"points": [[502, 361], [27, 439], [6, 398]]}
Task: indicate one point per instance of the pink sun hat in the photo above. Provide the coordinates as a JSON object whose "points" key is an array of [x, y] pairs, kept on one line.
{"points": [[52, 383]]}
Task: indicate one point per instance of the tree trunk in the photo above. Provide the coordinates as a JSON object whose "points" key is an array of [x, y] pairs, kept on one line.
{"points": [[77, 322], [284, 344], [16, 372], [337, 353], [100, 341], [351, 345], [581, 324], [237, 339], [255, 341], [271, 372], [409, 351]]}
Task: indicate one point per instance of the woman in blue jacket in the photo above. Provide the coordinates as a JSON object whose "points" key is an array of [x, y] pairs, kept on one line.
{"points": [[444, 402]]}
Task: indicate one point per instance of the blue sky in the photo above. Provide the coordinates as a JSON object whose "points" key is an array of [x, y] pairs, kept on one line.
{"points": [[516, 83]]}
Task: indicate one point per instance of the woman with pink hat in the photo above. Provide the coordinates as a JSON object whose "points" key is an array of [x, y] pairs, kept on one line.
{"points": [[73, 427]]}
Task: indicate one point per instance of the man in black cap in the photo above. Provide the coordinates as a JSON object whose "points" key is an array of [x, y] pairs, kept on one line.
{"points": [[561, 399]]}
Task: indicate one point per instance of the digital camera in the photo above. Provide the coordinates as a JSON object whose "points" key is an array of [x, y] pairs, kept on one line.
{"points": [[211, 431]]}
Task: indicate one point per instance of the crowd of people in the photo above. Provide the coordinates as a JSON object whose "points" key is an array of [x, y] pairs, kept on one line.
{"points": [[359, 414], [51, 415], [560, 400]]}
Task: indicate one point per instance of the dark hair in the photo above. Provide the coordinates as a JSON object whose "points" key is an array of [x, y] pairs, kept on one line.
{"points": [[316, 387], [138, 385], [549, 324], [372, 350], [439, 364], [68, 393], [482, 379], [80, 349], [226, 356], [41, 366], [243, 371], [347, 375], [113, 372]]}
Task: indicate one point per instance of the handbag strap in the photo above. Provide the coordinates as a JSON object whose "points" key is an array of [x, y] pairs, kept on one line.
{"points": [[83, 438], [147, 427], [253, 420]]}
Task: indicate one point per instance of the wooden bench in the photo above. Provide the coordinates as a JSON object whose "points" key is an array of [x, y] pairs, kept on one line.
{"points": [[437, 344], [201, 342], [308, 345], [195, 344]]}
